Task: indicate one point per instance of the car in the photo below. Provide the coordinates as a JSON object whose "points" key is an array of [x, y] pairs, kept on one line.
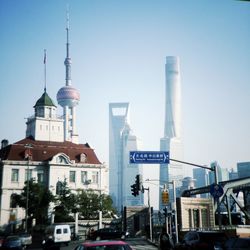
{"points": [[104, 244], [26, 239], [1, 240], [108, 234], [12, 242], [235, 244], [60, 233], [205, 240]]}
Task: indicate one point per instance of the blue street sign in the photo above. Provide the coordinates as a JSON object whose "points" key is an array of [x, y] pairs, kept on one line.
{"points": [[216, 190], [149, 157]]}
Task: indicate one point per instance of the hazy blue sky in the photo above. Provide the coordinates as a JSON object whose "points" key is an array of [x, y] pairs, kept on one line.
{"points": [[118, 49]]}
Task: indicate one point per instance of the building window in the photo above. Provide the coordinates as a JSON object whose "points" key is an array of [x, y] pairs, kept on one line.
{"points": [[196, 218], [61, 160], [13, 203], [190, 218], [83, 157], [95, 175], [84, 176], [72, 176], [28, 174], [14, 175], [59, 188], [204, 218], [40, 176]]}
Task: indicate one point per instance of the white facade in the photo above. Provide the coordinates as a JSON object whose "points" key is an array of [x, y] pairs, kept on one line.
{"points": [[60, 167], [54, 126], [45, 125], [121, 141], [172, 128]]}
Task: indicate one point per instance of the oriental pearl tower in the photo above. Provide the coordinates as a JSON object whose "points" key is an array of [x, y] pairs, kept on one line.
{"points": [[68, 97]]}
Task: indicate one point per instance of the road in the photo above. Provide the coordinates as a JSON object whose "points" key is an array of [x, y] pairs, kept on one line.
{"points": [[136, 243]]}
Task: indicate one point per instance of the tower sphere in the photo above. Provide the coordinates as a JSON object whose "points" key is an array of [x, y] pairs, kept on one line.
{"points": [[68, 96]]}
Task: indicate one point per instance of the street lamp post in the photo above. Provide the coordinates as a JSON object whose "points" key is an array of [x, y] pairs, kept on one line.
{"points": [[100, 212], [150, 214], [27, 156]]}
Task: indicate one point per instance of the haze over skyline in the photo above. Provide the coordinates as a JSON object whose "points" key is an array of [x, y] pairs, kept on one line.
{"points": [[118, 51]]}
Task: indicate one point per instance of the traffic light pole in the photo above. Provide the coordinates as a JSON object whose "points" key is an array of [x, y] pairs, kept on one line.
{"points": [[150, 214], [175, 216], [215, 170]]}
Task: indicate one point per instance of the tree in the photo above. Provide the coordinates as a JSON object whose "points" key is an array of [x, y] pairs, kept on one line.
{"points": [[90, 203], [65, 203], [39, 198]]}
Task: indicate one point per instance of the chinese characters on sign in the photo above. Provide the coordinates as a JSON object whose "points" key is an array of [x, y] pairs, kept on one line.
{"points": [[149, 157]]}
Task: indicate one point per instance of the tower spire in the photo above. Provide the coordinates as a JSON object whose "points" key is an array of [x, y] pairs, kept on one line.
{"points": [[67, 61]]}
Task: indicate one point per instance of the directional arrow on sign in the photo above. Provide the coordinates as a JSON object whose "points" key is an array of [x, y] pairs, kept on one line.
{"points": [[149, 157]]}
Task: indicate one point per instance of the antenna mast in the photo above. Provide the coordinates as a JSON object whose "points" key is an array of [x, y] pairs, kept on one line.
{"points": [[45, 75], [67, 61]]}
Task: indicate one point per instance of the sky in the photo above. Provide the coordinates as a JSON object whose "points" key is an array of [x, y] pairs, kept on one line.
{"points": [[118, 51]]}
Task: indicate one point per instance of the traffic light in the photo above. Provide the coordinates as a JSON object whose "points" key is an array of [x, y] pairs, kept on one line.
{"points": [[138, 182], [165, 211], [134, 190], [165, 197]]}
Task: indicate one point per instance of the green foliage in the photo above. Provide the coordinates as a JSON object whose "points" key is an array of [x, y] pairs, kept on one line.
{"points": [[90, 203], [39, 198], [87, 202], [65, 203]]}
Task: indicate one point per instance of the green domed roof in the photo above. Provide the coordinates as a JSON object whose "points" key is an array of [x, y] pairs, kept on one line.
{"points": [[44, 100]]}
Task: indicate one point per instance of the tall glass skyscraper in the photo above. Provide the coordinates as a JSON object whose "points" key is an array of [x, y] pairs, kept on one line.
{"points": [[243, 169], [172, 131], [201, 179], [121, 141]]}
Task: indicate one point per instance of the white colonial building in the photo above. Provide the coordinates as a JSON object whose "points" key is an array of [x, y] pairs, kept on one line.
{"points": [[50, 153], [46, 162]]}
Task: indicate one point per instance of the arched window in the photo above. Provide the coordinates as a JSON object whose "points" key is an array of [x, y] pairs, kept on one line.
{"points": [[61, 159]]}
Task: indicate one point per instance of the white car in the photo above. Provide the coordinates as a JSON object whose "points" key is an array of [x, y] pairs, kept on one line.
{"points": [[26, 239]]}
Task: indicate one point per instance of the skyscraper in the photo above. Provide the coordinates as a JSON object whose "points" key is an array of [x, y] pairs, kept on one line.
{"points": [[243, 169], [121, 141], [201, 179], [172, 128]]}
